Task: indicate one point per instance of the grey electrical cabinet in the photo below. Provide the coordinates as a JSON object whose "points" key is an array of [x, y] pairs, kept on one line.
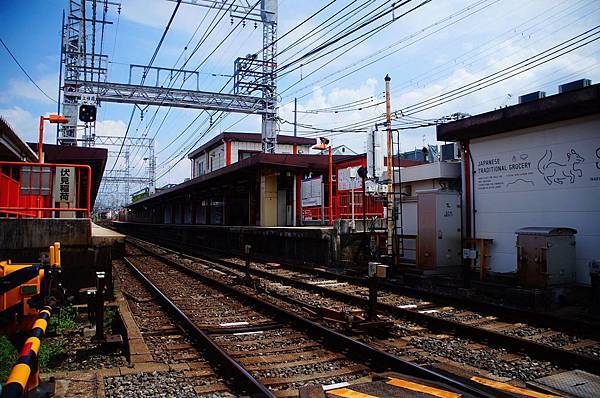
{"points": [[546, 256], [439, 231]]}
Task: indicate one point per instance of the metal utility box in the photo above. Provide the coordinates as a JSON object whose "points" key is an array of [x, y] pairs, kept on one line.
{"points": [[438, 229], [377, 270], [546, 256]]}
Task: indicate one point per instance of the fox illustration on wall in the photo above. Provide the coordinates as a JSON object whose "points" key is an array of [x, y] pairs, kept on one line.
{"points": [[555, 172]]}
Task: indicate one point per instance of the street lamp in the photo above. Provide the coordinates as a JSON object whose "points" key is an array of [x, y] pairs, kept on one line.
{"points": [[52, 119], [321, 147]]}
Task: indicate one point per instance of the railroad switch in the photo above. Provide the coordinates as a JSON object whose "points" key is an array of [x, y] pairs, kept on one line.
{"points": [[96, 297]]}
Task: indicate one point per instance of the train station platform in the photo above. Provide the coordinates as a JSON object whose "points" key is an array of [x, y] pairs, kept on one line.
{"points": [[105, 237], [306, 245]]}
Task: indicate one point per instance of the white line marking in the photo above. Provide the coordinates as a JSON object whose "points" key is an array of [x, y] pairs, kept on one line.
{"points": [[234, 324]]}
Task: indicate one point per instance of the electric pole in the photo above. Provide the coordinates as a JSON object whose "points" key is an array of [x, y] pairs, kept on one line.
{"points": [[295, 114], [390, 170]]}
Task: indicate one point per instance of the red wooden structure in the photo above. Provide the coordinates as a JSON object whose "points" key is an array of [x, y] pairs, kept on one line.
{"points": [[26, 190]]}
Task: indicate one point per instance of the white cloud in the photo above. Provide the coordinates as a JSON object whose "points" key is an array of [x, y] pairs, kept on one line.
{"points": [[24, 89], [24, 124], [335, 97], [113, 128], [156, 13]]}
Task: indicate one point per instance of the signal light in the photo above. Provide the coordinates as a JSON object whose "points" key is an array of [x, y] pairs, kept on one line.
{"points": [[87, 113], [362, 172]]}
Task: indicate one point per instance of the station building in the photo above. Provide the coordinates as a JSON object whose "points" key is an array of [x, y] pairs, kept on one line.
{"points": [[229, 147], [531, 173]]}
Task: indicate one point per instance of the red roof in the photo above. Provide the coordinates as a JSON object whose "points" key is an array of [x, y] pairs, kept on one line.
{"points": [[250, 137]]}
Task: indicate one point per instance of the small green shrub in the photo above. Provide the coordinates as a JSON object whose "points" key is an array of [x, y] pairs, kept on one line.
{"points": [[109, 318], [51, 353], [63, 321], [8, 356]]}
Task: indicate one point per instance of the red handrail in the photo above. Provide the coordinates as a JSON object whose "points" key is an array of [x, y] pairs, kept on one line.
{"points": [[342, 207]]}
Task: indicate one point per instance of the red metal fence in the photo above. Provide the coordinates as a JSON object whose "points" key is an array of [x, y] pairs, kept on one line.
{"points": [[34, 190]]}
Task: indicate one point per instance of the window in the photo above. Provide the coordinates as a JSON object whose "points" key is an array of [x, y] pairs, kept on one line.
{"points": [[246, 154], [199, 168], [36, 180]]}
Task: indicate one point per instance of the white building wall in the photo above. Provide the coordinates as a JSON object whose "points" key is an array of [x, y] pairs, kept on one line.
{"points": [[543, 176], [216, 158], [237, 146], [199, 165]]}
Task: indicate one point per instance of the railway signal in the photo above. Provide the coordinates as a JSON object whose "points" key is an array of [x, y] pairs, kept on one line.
{"points": [[87, 113]]}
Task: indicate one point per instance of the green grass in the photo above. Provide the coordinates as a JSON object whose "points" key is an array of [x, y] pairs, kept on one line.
{"points": [[109, 318], [63, 321], [51, 353], [8, 356]]}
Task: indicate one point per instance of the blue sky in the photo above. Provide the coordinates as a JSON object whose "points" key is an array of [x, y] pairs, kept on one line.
{"points": [[434, 53]]}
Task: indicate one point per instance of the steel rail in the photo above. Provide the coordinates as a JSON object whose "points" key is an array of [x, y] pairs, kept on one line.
{"points": [[236, 372], [377, 359], [540, 350]]}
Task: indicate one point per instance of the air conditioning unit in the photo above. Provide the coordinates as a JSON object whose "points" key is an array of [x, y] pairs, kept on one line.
{"points": [[576, 85], [536, 95], [448, 152], [382, 189], [370, 187]]}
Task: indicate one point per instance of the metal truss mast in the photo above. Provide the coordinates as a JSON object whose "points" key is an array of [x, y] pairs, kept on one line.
{"points": [[84, 80], [149, 95], [85, 71], [117, 183], [250, 74]]}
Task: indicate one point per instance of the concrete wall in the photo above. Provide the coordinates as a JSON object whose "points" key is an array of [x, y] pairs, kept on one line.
{"points": [[39, 233], [23, 240], [543, 176]]}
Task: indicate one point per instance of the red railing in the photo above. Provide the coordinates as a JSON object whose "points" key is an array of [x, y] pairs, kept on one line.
{"points": [[342, 207], [314, 213], [28, 190]]}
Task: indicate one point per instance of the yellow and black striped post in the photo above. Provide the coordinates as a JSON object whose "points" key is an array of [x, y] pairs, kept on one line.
{"points": [[25, 375]]}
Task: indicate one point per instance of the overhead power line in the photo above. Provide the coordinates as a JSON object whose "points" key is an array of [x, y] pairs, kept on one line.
{"points": [[360, 26], [518, 68], [186, 142], [160, 42], [345, 70], [25, 72]]}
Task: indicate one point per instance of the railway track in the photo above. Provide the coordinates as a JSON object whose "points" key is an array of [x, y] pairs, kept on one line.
{"points": [[505, 349], [270, 344], [189, 372]]}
